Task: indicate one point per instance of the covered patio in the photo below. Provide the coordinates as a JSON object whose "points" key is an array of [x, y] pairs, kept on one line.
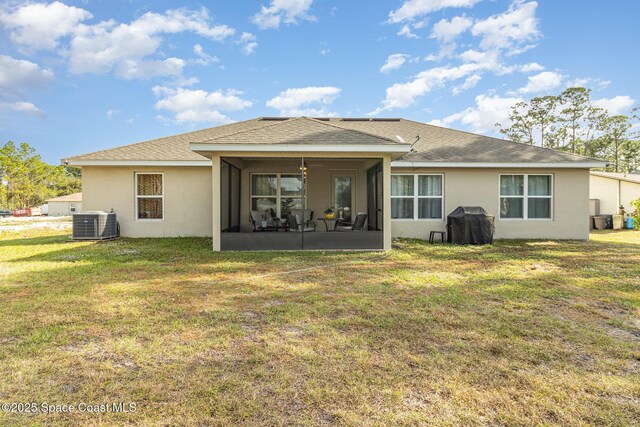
{"points": [[280, 203], [272, 187]]}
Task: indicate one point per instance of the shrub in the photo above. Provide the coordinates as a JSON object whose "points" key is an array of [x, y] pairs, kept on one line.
{"points": [[636, 214]]}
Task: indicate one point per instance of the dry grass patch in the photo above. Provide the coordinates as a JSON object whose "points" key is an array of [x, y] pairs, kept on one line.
{"points": [[517, 333]]}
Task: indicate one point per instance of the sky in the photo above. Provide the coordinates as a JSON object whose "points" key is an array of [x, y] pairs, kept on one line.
{"points": [[79, 76]]}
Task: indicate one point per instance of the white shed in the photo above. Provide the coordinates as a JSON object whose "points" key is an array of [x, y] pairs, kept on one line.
{"points": [[613, 190], [65, 205]]}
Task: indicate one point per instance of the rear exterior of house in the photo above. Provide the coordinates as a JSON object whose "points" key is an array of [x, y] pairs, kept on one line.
{"points": [[64, 205], [404, 176], [613, 190]]}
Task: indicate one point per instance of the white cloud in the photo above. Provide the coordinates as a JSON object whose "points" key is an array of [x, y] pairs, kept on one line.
{"points": [[106, 46], [249, 43], [394, 62], [22, 107], [542, 82], [194, 106], [18, 74], [305, 101], [132, 50], [588, 81], [147, 69], [447, 31], [403, 95], [412, 9], [616, 105], [509, 30], [203, 57], [489, 110], [469, 83], [39, 26], [531, 67], [405, 31], [287, 11], [111, 113]]}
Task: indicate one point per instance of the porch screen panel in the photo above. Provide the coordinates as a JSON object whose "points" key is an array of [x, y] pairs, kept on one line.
{"points": [[224, 196], [234, 199], [290, 193], [264, 191]]}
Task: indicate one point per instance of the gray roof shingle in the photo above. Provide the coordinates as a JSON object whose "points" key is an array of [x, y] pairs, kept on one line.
{"points": [[435, 144]]}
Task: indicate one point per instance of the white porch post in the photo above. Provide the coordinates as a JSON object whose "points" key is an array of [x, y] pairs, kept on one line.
{"points": [[216, 184], [386, 205]]}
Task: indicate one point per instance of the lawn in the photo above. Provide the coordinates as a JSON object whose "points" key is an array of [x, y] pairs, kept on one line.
{"points": [[518, 333]]}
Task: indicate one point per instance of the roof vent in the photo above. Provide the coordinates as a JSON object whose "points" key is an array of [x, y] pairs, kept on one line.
{"points": [[355, 120], [385, 120], [274, 119], [323, 119]]}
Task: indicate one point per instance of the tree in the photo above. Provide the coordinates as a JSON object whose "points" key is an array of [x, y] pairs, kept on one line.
{"points": [[615, 134], [574, 101], [522, 124], [26, 181], [542, 113]]}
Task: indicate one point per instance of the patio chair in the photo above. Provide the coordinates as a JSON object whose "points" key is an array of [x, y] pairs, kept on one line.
{"points": [[356, 225], [292, 225], [255, 218], [308, 217]]}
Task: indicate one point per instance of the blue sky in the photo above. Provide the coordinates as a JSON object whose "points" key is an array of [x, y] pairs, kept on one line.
{"points": [[78, 76]]}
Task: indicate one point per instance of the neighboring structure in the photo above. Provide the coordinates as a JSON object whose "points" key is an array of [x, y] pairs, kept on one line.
{"points": [[64, 205], [613, 190], [406, 176]]}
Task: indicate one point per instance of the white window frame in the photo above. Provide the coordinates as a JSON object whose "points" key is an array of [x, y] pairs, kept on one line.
{"points": [[278, 195], [416, 197], [525, 197], [137, 196]]}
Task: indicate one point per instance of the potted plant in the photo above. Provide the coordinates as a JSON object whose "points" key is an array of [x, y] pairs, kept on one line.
{"points": [[329, 212], [265, 217]]}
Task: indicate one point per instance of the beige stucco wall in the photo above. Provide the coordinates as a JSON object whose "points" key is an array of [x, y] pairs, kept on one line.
{"points": [[189, 209], [187, 199], [612, 193], [62, 208], [480, 187]]}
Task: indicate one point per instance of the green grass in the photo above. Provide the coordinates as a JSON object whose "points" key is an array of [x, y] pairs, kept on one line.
{"points": [[518, 333]]}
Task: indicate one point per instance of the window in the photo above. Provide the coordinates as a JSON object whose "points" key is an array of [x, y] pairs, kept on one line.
{"points": [[280, 192], [526, 196], [149, 196], [416, 196]]}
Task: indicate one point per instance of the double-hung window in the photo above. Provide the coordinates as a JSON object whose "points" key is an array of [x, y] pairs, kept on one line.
{"points": [[417, 196], [526, 196], [149, 196], [280, 192]]}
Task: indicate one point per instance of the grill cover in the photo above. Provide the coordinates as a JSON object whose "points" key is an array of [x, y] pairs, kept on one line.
{"points": [[470, 225]]}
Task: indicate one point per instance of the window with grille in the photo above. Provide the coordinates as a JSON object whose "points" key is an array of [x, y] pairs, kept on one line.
{"points": [[149, 196]]}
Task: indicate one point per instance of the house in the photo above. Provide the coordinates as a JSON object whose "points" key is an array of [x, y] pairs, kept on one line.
{"points": [[613, 190], [405, 175], [64, 205]]}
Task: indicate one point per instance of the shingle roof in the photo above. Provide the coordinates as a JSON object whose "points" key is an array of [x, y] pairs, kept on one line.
{"points": [[75, 197], [302, 130], [435, 144], [619, 176], [438, 144]]}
